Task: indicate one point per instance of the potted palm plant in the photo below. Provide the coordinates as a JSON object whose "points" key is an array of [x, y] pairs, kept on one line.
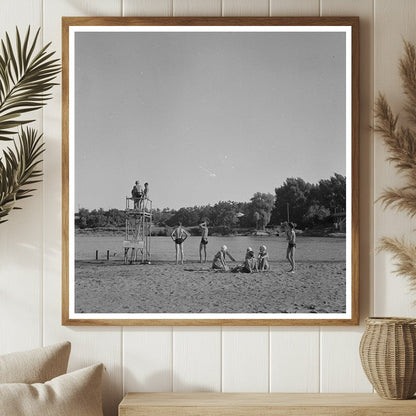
{"points": [[26, 79]]}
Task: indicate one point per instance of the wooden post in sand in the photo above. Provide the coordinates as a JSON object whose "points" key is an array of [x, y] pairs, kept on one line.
{"points": [[108, 254], [96, 254]]}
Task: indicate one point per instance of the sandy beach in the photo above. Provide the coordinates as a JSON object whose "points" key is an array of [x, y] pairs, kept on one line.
{"points": [[163, 287]]}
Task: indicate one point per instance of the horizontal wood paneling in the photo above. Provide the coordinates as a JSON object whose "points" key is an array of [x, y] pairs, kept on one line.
{"points": [[21, 237], [197, 7], [394, 21], [196, 359], [147, 359], [245, 7], [89, 345], [365, 10], [340, 370], [294, 8], [294, 351], [147, 7], [244, 359]]}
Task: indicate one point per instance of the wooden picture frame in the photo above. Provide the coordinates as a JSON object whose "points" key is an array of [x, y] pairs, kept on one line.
{"points": [[80, 118]]}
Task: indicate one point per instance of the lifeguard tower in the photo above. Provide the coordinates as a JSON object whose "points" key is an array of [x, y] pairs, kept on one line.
{"points": [[138, 230]]}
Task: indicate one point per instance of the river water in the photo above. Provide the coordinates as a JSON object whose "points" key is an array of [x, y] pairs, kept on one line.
{"points": [[163, 248]]}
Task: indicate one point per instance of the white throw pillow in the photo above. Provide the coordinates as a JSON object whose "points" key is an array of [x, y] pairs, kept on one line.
{"points": [[35, 366], [73, 394]]}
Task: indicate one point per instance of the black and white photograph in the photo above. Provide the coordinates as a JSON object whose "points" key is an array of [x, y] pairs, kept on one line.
{"points": [[210, 172]]}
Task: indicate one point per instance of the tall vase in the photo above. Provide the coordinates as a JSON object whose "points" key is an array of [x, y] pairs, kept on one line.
{"points": [[388, 356]]}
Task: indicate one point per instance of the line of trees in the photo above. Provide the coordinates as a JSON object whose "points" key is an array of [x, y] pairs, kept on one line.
{"points": [[309, 205]]}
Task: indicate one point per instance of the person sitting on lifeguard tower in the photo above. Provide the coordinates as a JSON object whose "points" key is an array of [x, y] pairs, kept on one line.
{"points": [[136, 194]]}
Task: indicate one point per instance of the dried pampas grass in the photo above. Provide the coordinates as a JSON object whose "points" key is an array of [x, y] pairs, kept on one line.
{"points": [[404, 254], [401, 143]]}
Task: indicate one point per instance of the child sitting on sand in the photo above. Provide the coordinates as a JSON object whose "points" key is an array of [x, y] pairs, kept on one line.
{"points": [[250, 263], [263, 259], [218, 263]]}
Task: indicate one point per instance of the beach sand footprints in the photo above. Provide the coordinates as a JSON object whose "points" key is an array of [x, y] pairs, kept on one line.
{"points": [[163, 287]]}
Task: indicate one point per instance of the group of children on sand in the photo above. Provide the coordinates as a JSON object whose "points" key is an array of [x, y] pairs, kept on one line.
{"points": [[251, 262]]}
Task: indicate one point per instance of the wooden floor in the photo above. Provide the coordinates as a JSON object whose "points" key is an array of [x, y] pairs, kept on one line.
{"points": [[254, 404]]}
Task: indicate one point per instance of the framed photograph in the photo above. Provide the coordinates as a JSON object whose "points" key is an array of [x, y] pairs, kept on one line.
{"points": [[210, 171]]}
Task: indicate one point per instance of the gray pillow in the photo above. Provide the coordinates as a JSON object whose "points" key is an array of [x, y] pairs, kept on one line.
{"points": [[73, 394], [35, 366]]}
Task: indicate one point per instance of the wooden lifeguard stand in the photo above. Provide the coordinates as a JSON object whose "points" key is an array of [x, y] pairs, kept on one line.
{"points": [[138, 230]]}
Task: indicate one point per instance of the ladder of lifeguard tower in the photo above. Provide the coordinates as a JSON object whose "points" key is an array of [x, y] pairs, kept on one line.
{"points": [[138, 230]]}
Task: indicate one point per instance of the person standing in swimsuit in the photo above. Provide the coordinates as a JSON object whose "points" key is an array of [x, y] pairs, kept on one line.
{"points": [[291, 245], [204, 241], [179, 235]]}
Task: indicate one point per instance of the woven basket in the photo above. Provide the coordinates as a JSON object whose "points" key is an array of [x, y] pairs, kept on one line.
{"points": [[388, 356]]}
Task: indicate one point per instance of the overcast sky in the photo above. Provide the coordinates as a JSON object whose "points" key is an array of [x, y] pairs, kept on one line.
{"points": [[205, 117]]}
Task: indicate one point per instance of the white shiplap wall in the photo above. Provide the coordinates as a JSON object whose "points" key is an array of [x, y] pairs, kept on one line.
{"points": [[304, 359]]}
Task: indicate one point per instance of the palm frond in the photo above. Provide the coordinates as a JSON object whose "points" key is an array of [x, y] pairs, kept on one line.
{"points": [[26, 78], [404, 253], [19, 169]]}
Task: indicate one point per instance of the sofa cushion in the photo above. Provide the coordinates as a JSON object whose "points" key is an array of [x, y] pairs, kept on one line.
{"points": [[35, 366], [73, 394]]}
